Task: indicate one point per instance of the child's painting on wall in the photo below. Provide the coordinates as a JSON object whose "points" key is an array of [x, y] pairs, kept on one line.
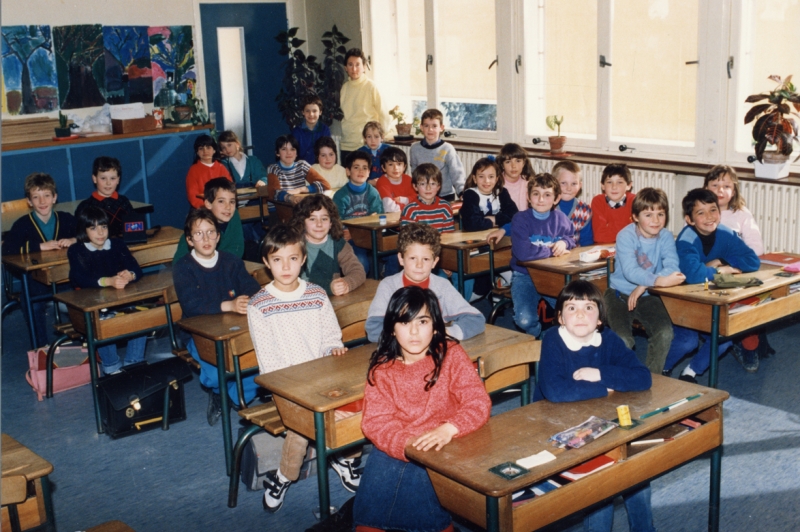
{"points": [[30, 84], [128, 76], [172, 55], [80, 64]]}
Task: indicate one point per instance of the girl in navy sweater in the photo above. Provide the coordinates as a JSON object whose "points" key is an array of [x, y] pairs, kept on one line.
{"points": [[487, 203], [97, 261]]}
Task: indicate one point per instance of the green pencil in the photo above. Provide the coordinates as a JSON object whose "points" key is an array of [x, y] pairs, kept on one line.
{"points": [[670, 406]]}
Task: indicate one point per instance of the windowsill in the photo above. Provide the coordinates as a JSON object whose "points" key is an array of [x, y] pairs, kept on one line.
{"points": [[658, 164]]}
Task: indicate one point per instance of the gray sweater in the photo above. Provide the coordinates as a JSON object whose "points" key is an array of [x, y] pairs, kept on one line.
{"points": [[444, 156]]}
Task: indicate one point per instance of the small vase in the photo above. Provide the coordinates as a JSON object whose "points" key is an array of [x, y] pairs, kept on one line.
{"points": [[557, 144], [63, 132], [404, 130]]}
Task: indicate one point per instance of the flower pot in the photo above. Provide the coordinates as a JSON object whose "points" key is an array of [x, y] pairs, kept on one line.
{"points": [[775, 166], [182, 113], [404, 130], [557, 144], [62, 132]]}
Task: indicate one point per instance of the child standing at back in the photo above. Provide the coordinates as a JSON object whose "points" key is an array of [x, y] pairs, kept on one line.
{"points": [[422, 390], [429, 208], [517, 169], [395, 185], [374, 146], [539, 232], [611, 210], [432, 149], [583, 360], [311, 129], [277, 314], [723, 181], [645, 257], [99, 261], [486, 203], [327, 166], [246, 170], [579, 212], [360, 102], [205, 168], [106, 175], [289, 177]]}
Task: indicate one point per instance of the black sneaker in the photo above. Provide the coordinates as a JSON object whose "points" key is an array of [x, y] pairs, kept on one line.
{"points": [[688, 378], [667, 372], [274, 491], [749, 360], [214, 410], [349, 471]]}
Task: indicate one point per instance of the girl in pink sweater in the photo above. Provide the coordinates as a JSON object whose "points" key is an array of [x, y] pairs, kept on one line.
{"points": [[422, 390]]}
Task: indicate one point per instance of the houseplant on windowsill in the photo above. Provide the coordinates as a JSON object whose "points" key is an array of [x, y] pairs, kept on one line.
{"points": [[556, 143], [775, 126], [63, 130], [403, 128]]}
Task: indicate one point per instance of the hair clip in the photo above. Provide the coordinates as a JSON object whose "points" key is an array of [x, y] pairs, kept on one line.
{"points": [[491, 158]]}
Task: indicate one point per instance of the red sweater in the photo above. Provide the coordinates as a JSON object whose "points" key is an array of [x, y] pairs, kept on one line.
{"points": [[607, 222], [397, 407], [200, 174]]}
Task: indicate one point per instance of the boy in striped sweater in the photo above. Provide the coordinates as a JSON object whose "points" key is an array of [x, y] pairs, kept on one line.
{"points": [[429, 208], [288, 177]]}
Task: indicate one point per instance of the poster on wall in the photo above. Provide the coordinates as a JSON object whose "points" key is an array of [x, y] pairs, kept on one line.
{"points": [[172, 57], [30, 84], [128, 75], [80, 65]]}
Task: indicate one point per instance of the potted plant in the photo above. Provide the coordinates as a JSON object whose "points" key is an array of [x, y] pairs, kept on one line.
{"points": [[403, 128], [774, 126], [556, 143], [63, 130]]}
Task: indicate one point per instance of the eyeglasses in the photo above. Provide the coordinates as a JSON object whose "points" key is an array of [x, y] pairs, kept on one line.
{"points": [[211, 234], [427, 184]]}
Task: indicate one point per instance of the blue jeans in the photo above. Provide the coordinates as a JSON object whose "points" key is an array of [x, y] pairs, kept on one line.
{"points": [[210, 378], [397, 495], [364, 256], [640, 513], [526, 300], [133, 354], [468, 283], [685, 341], [392, 265]]}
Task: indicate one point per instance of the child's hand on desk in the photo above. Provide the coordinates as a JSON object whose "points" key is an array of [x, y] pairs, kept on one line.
{"points": [[127, 275], [50, 245], [587, 374], [66, 242], [237, 305], [339, 287], [495, 236], [117, 282], [634, 297], [436, 438], [560, 248], [673, 279], [728, 269], [338, 351]]}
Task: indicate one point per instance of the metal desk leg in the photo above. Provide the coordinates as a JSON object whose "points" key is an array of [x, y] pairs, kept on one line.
{"points": [[170, 327], [239, 386], [567, 279], [87, 317], [712, 376], [460, 255], [322, 466], [714, 492], [375, 271], [26, 295], [492, 514], [223, 396], [48, 503]]}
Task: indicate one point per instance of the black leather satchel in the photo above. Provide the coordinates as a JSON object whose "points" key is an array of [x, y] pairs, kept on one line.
{"points": [[143, 396]]}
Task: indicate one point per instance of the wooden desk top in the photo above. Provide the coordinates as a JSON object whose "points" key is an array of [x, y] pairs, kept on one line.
{"points": [[525, 431], [330, 382], [720, 297], [9, 217], [373, 223], [48, 259], [365, 292], [465, 239], [568, 264], [19, 460], [92, 299]]}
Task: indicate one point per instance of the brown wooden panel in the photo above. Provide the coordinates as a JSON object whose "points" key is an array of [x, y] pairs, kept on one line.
{"points": [[507, 377], [387, 242], [547, 283], [362, 237], [300, 420], [689, 314], [31, 512], [342, 432], [763, 313], [250, 212], [155, 255], [459, 499], [129, 323]]}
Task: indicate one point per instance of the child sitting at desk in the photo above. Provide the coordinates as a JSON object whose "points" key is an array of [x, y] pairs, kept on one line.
{"points": [[43, 229], [205, 168], [98, 261], [279, 316], [374, 146], [289, 177], [395, 185], [428, 208], [646, 256], [705, 248], [611, 210], [486, 203], [331, 262], [211, 281], [582, 359], [418, 250], [327, 166], [106, 175], [246, 170], [517, 170], [311, 129], [220, 199], [568, 175], [422, 390]]}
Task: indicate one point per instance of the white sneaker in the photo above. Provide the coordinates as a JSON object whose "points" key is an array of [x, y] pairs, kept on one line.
{"points": [[349, 471], [274, 491]]}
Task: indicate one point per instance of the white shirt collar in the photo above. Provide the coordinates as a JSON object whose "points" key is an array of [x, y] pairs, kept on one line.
{"points": [[206, 263], [106, 245], [573, 344]]}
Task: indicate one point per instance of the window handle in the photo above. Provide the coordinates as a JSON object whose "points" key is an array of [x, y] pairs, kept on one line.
{"points": [[518, 63], [603, 62], [623, 147], [692, 62], [428, 62], [493, 63], [730, 66]]}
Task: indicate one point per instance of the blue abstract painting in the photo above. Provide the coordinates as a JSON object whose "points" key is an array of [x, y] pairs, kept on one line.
{"points": [[172, 55], [29, 70], [128, 76]]}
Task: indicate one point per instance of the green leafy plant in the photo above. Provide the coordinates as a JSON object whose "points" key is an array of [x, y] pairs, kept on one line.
{"points": [[554, 123], [775, 124], [398, 115], [62, 120], [332, 74]]}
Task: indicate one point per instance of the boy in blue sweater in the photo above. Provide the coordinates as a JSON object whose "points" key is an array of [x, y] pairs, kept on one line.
{"points": [[705, 248], [209, 281], [311, 130], [536, 233], [646, 256], [582, 359]]}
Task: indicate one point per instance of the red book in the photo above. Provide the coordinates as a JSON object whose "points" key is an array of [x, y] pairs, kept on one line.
{"points": [[587, 468], [778, 259]]}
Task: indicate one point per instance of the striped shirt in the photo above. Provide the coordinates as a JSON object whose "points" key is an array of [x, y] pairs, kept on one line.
{"points": [[294, 177], [438, 214]]}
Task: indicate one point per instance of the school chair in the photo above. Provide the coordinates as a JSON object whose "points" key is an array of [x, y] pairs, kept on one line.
{"points": [[15, 491], [353, 320], [170, 297], [500, 293], [509, 357]]}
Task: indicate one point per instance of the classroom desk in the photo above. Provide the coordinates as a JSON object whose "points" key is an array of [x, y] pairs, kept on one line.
{"points": [[552, 274], [84, 312], [19, 460], [457, 256], [709, 311], [52, 267], [224, 340], [9, 217], [307, 394], [465, 486], [368, 233]]}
